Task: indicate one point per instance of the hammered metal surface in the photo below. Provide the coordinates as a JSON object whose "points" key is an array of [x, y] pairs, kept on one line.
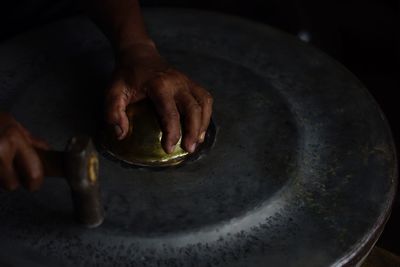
{"points": [[302, 172]]}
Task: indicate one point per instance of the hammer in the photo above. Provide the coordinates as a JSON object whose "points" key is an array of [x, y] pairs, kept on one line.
{"points": [[79, 165]]}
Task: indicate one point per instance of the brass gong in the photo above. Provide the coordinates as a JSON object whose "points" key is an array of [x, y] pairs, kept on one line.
{"points": [[142, 145]]}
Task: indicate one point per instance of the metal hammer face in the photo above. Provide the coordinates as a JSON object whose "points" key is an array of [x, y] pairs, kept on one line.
{"points": [[79, 164], [81, 169]]}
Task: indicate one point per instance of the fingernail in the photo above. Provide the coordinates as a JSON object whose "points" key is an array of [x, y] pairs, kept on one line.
{"points": [[202, 136], [118, 131], [192, 148], [169, 149]]}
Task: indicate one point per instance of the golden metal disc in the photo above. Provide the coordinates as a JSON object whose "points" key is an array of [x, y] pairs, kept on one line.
{"points": [[142, 145]]}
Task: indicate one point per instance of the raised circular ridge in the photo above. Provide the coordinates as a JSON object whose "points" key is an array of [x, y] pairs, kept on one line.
{"points": [[344, 159]]}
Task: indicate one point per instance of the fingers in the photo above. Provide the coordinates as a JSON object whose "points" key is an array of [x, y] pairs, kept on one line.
{"points": [[29, 166], [205, 100], [169, 117], [39, 143], [19, 162], [172, 94], [117, 99], [192, 112], [9, 179], [35, 141], [194, 105]]}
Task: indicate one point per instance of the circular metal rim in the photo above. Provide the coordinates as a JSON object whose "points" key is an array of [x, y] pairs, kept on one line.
{"points": [[356, 253]]}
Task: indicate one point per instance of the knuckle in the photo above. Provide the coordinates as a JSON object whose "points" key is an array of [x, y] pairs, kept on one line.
{"points": [[208, 99], [166, 84], [115, 103], [35, 174], [159, 88], [172, 116], [11, 135], [195, 109]]}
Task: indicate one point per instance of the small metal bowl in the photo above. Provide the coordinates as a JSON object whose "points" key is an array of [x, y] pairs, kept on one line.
{"points": [[142, 145]]}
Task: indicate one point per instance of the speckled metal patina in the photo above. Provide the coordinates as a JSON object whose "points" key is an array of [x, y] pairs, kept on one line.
{"points": [[302, 173]]}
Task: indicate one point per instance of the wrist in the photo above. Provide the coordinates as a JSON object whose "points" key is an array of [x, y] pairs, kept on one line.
{"points": [[137, 48], [140, 53]]}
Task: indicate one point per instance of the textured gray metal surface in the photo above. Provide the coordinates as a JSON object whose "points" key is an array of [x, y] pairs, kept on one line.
{"points": [[302, 173]]}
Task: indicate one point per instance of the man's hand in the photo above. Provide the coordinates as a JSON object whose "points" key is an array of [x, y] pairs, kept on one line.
{"points": [[142, 73], [19, 162]]}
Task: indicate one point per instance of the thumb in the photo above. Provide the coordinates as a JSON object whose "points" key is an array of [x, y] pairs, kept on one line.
{"points": [[117, 99]]}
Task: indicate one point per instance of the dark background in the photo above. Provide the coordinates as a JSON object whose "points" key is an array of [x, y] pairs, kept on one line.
{"points": [[362, 35]]}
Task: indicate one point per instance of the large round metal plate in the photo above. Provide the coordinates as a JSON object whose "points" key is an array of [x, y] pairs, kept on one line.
{"points": [[302, 172]]}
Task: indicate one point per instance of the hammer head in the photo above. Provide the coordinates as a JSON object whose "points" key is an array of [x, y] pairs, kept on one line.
{"points": [[82, 168]]}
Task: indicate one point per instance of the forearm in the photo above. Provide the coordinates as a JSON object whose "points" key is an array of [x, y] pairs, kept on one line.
{"points": [[121, 21]]}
